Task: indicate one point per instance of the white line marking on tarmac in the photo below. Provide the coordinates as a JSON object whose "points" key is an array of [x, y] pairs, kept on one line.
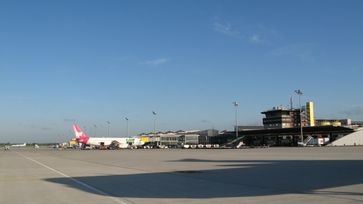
{"points": [[76, 181]]}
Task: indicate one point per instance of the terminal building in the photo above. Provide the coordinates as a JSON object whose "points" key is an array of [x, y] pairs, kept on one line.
{"points": [[281, 117], [334, 122], [281, 127], [285, 126], [180, 138], [317, 135]]}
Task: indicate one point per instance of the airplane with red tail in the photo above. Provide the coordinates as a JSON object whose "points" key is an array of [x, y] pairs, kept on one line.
{"points": [[120, 142]]}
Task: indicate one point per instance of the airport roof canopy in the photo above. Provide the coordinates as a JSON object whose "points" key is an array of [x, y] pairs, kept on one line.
{"points": [[296, 131]]}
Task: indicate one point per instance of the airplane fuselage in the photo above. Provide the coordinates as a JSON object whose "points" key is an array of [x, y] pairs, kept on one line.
{"points": [[19, 145], [121, 141]]}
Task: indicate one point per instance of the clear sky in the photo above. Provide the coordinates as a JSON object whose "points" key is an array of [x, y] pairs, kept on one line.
{"points": [[188, 60]]}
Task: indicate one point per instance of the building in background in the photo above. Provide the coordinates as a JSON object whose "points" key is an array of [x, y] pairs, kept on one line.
{"points": [[282, 117], [334, 122], [248, 127], [180, 138], [310, 114], [169, 139], [357, 123]]}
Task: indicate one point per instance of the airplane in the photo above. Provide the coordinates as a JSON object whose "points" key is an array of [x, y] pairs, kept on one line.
{"points": [[120, 142], [19, 145]]}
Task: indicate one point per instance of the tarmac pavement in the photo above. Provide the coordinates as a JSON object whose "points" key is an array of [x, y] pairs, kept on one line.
{"points": [[273, 175]]}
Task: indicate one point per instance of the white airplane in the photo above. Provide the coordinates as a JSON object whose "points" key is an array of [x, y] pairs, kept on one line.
{"points": [[19, 145], [121, 142]]}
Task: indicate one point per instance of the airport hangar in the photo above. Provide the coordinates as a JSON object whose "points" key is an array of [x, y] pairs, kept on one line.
{"points": [[281, 136]]}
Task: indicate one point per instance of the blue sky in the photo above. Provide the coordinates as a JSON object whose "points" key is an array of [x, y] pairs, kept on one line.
{"points": [[98, 61]]}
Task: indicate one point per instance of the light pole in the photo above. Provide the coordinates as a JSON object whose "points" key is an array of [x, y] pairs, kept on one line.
{"points": [[300, 93], [127, 126], [95, 126], [235, 115], [108, 128], [154, 113]]}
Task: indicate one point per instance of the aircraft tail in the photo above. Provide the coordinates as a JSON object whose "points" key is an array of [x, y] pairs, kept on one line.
{"points": [[80, 135]]}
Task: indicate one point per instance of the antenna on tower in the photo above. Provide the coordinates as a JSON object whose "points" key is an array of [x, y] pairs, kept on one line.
{"points": [[291, 107]]}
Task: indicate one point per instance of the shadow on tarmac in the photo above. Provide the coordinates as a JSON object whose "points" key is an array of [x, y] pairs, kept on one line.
{"points": [[243, 178]]}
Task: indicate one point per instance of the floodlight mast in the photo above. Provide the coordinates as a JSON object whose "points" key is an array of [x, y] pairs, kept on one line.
{"points": [[127, 126], [300, 93], [154, 115], [236, 117], [108, 128], [95, 126]]}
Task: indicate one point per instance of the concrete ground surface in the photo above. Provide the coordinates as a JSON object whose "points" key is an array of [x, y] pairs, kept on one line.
{"points": [[273, 175]]}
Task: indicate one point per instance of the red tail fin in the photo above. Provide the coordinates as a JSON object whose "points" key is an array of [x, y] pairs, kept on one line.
{"points": [[80, 136]]}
